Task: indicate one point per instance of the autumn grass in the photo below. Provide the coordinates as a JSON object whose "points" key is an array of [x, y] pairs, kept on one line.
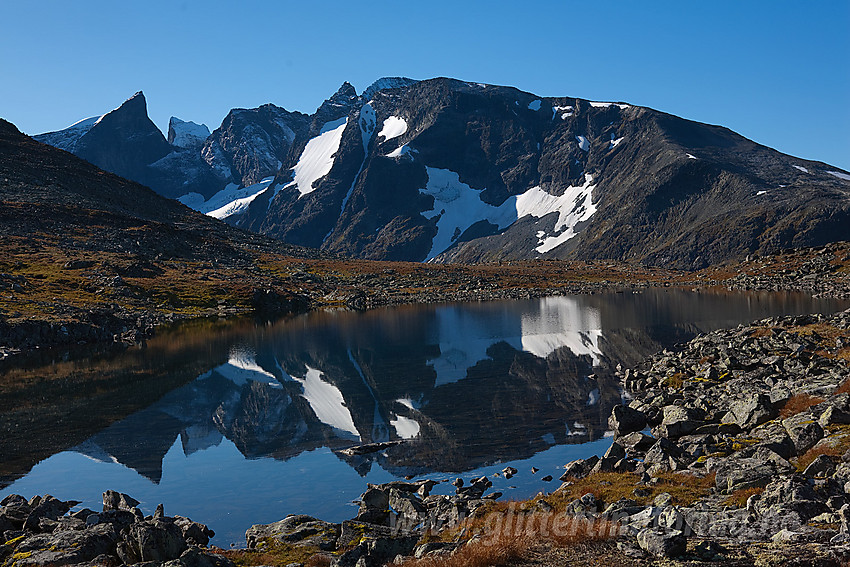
{"points": [[503, 551], [834, 445], [738, 498], [844, 387], [685, 488], [762, 332], [798, 403], [509, 533], [825, 331], [276, 553], [676, 381]]}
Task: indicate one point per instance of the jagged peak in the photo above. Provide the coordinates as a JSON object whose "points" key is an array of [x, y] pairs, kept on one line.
{"points": [[338, 105], [344, 94], [136, 104]]}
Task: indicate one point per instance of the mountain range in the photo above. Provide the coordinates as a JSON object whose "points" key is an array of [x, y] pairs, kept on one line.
{"points": [[450, 171]]}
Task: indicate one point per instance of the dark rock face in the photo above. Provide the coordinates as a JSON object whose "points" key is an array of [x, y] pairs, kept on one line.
{"points": [[251, 144], [124, 140]]}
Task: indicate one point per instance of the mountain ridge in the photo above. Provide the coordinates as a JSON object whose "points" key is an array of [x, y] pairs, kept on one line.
{"points": [[446, 170]]}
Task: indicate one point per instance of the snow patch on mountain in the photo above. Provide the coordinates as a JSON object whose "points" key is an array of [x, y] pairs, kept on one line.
{"points": [[405, 427], [458, 206], [801, 168], [575, 206], [614, 143], [85, 123], [607, 104], [583, 143], [367, 122], [535, 105], [317, 159], [186, 134], [566, 112], [401, 151], [394, 126], [839, 175], [229, 201]]}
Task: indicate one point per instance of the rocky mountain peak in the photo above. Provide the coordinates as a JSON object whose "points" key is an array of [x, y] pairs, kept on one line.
{"points": [[344, 94], [337, 106], [136, 105]]}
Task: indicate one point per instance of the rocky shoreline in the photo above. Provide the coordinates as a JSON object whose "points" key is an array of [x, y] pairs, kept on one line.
{"points": [[734, 448], [40, 531]]}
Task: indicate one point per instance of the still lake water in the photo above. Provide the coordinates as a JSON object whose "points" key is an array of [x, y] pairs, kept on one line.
{"points": [[236, 423]]}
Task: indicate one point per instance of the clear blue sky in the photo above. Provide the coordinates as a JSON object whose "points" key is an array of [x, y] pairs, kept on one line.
{"points": [[775, 71]]}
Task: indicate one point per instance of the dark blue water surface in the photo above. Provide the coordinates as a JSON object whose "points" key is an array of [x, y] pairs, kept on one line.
{"points": [[237, 423]]}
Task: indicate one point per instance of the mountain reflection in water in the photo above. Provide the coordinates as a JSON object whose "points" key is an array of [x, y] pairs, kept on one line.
{"points": [[464, 386]]}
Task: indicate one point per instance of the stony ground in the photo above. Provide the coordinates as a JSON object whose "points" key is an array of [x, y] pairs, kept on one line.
{"points": [[763, 411]]}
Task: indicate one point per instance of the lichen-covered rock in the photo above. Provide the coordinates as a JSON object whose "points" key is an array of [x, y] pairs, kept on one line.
{"points": [[151, 540], [64, 548], [662, 543], [296, 529], [751, 411], [804, 431], [739, 474], [678, 421]]}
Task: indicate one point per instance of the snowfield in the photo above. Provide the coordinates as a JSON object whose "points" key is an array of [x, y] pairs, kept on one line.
{"points": [[317, 159], [573, 207], [457, 206], [231, 200]]}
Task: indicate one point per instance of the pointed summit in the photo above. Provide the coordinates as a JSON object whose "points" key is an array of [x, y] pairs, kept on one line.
{"points": [[136, 106], [338, 106], [345, 96], [125, 140]]}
